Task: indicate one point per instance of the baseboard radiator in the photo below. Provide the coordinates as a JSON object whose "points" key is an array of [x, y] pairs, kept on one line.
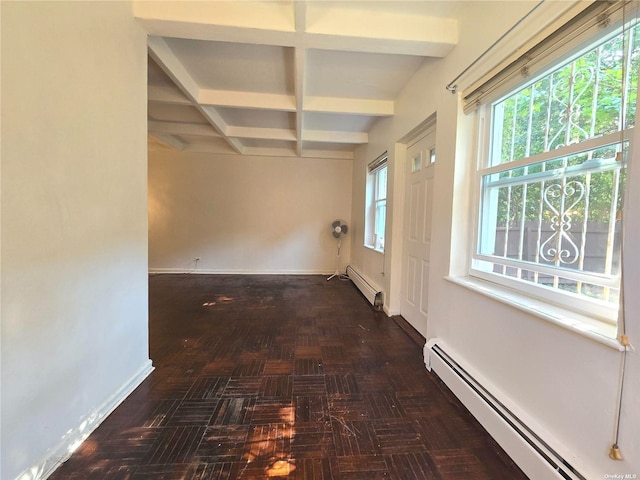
{"points": [[536, 458], [370, 292]]}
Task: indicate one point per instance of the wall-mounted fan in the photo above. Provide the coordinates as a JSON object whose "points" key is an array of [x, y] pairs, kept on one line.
{"points": [[338, 229]]}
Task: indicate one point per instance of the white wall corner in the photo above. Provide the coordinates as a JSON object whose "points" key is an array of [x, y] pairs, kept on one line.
{"points": [[390, 312], [60, 453], [394, 265]]}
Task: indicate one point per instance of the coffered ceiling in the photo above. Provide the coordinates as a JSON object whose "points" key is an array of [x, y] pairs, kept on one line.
{"points": [[283, 78]]}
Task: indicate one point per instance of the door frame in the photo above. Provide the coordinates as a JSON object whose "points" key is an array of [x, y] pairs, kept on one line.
{"points": [[399, 189]]}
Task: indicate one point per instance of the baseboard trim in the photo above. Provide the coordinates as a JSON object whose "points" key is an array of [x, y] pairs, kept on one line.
{"points": [[72, 440], [201, 271]]}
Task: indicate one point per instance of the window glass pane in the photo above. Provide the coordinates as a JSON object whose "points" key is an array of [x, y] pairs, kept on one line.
{"points": [[375, 217], [416, 163], [381, 218], [577, 101], [381, 208], [561, 214], [556, 282], [381, 183]]}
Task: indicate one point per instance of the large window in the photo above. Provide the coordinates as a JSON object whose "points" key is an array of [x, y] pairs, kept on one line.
{"points": [[376, 215], [552, 178]]}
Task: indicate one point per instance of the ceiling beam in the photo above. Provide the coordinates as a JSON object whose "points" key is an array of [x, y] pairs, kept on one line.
{"points": [[252, 100], [299, 66], [317, 25], [335, 136], [212, 115], [319, 41], [262, 133], [178, 128], [269, 152], [216, 33], [257, 22], [335, 154], [165, 94], [224, 148], [171, 65], [168, 140], [394, 46], [352, 106], [362, 27], [298, 26], [299, 81]]}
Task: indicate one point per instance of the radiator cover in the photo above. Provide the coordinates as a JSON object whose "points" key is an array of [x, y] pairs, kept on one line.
{"points": [[370, 291], [530, 451]]}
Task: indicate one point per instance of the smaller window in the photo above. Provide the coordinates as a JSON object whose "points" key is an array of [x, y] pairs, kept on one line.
{"points": [[376, 205], [416, 163], [381, 208], [432, 155]]}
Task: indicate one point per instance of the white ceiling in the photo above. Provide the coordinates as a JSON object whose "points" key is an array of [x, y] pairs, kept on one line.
{"points": [[284, 78]]}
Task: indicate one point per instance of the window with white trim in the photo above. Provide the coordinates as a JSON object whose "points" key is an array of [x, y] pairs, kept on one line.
{"points": [[376, 204], [552, 176]]}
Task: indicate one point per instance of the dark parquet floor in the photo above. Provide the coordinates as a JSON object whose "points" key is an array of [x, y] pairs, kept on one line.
{"points": [[283, 376]]}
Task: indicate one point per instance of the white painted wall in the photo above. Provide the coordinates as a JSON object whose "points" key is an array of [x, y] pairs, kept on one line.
{"points": [[563, 382], [242, 214], [74, 229]]}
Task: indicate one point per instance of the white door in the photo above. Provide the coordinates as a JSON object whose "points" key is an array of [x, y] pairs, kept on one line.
{"points": [[416, 250]]}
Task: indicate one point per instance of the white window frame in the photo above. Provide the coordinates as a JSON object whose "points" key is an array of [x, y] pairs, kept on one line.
{"points": [[376, 201], [602, 311]]}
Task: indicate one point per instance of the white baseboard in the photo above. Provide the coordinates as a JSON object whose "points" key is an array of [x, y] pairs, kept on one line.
{"points": [[390, 313], [87, 424], [202, 271]]}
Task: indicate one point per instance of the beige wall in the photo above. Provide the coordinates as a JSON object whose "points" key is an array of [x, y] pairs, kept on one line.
{"points": [[74, 229], [242, 214]]}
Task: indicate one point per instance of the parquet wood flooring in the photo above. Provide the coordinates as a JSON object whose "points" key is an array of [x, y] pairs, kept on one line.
{"points": [[283, 377]]}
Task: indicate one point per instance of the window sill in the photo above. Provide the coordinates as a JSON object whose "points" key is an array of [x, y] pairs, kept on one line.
{"points": [[381, 252], [591, 328]]}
